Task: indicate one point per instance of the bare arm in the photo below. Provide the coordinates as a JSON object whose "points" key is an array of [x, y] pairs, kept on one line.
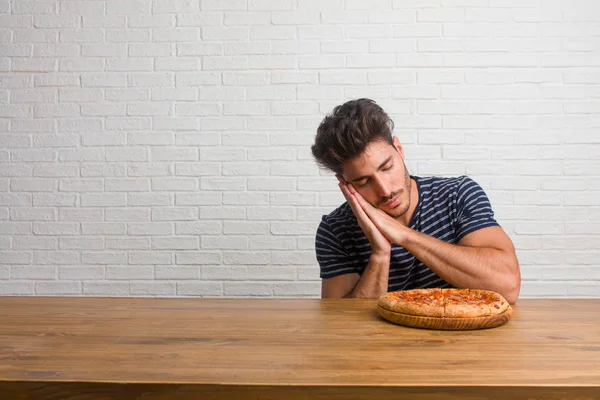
{"points": [[372, 284], [374, 280], [484, 259]]}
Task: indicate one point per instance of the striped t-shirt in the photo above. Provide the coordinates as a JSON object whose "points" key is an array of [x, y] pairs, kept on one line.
{"points": [[448, 209]]}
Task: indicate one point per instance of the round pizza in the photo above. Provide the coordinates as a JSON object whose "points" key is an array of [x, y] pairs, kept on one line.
{"points": [[445, 303]]}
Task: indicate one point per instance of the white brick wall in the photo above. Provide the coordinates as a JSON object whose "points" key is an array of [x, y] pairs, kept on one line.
{"points": [[162, 147]]}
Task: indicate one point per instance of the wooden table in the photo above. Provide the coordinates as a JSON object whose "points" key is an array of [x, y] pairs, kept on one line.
{"points": [[124, 348]]}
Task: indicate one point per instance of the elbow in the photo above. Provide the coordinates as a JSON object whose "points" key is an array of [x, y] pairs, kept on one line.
{"points": [[513, 283]]}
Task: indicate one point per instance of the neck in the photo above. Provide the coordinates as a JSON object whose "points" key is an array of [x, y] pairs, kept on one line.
{"points": [[405, 218]]}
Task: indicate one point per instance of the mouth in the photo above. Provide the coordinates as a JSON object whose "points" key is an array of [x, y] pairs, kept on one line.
{"points": [[393, 202]]}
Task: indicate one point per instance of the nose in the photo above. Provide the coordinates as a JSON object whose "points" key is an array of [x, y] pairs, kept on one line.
{"points": [[382, 188]]}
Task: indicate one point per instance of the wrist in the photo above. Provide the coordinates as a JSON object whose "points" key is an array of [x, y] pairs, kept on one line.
{"points": [[381, 255]]}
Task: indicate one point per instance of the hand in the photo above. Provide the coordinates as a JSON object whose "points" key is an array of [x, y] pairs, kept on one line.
{"points": [[393, 230], [379, 244]]}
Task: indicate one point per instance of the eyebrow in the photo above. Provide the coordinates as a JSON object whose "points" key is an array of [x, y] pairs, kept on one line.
{"points": [[360, 178]]}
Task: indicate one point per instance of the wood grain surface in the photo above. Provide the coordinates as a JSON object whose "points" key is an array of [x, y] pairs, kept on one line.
{"points": [[88, 348], [447, 324]]}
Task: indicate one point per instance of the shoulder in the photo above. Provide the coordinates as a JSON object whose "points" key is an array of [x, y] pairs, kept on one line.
{"points": [[443, 187], [337, 219]]}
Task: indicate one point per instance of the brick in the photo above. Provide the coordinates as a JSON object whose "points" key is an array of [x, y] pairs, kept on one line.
{"points": [[242, 198], [62, 140], [33, 185], [306, 243], [79, 125], [199, 49], [198, 228], [222, 183], [103, 169], [16, 141], [51, 21], [80, 215], [127, 154], [224, 273], [31, 214], [34, 65], [80, 243], [170, 94], [150, 229], [127, 214], [176, 272], [126, 185], [200, 289], [229, 242], [271, 243], [198, 257], [198, 199], [176, 64], [178, 6], [106, 288], [271, 184], [154, 169], [128, 243], [176, 243], [150, 199], [308, 289], [128, 124], [129, 272], [174, 213], [55, 257], [103, 200], [245, 228], [16, 288], [218, 213], [58, 288], [149, 109], [251, 139], [247, 289], [174, 184], [129, 64], [103, 258], [34, 243], [200, 19], [270, 5], [246, 257], [337, 17], [82, 273], [151, 21], [245, 18], [53, 199], [223, 5], [56, 170], [152, 288], [100, 228], [294, 228]]}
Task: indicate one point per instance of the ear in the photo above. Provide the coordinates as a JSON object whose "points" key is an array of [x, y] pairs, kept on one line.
{"points": [[398, 146]]}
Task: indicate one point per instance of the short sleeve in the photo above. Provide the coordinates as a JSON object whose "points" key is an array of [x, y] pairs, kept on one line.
{"points": [[474, 210], [332, 256]]}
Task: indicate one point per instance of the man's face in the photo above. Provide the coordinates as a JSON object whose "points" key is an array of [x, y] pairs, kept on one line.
{"points": [[380, 176]]}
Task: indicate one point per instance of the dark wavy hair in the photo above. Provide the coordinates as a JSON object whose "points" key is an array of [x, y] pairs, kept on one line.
{"points": [[346, 132]]}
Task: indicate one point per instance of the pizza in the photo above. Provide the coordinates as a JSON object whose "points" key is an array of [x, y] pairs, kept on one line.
{"points": [[445, 303]]}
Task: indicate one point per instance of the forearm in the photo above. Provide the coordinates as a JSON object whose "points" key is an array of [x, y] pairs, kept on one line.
{"points": [[464, 266], [374, 280]]}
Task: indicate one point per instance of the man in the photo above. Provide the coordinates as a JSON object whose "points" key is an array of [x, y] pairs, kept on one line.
{"points": [[397, 231]]}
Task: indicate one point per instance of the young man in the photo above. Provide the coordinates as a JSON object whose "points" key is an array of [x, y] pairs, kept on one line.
{"points": [[397, 231]]}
